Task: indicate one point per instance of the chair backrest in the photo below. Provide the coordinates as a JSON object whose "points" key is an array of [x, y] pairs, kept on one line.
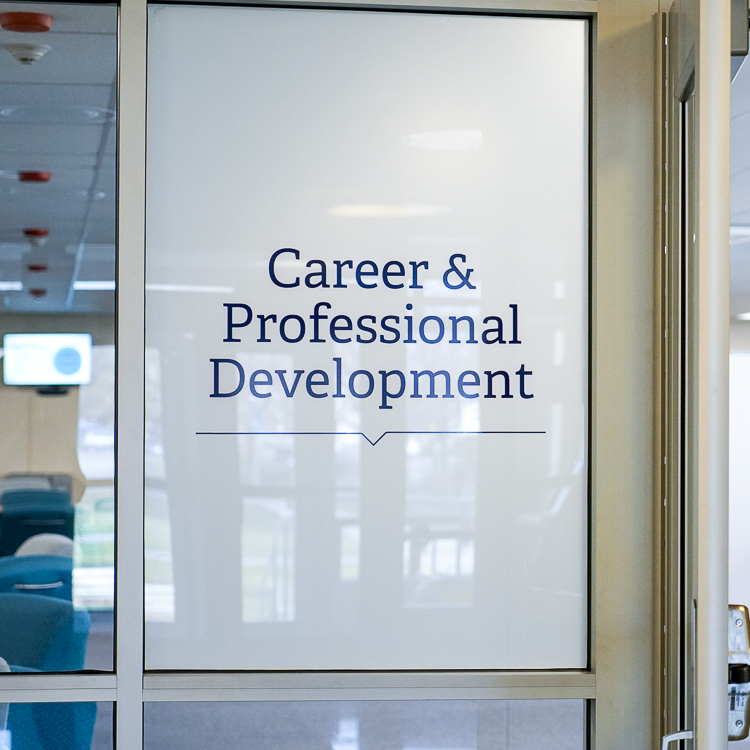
{"points": [[47, 575], [27, 496], [46, 544], [19, 522], [52, 726], [36, 480], [42, 633]]}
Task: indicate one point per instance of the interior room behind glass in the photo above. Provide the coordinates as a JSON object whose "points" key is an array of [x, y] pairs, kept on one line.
{"points": [[57, 280]]}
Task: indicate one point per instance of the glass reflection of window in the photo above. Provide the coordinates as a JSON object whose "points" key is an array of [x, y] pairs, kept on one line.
{"points": [[159, 593], [266, 460], [154, 447], [349, 558], [347, 736], [94, 550], [347, 450], [159, 583], [441, 474], [267, 560], [96, 417], [94, 537]]}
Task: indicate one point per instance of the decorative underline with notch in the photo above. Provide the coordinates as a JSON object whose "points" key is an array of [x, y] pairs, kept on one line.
{"points": [[392, 432]]}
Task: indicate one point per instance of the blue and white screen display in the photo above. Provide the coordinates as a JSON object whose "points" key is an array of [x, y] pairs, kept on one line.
{"points": [[47, 358]]}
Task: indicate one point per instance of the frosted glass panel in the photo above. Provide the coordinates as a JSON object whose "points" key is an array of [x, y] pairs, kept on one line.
{"points": [[367, 260], [370, 725]]}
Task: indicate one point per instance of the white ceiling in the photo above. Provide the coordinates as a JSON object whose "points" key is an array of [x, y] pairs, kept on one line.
{"points": [[77, 205]]}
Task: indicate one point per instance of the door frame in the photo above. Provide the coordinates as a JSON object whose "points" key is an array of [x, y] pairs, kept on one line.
{"points": [[694, 318]]}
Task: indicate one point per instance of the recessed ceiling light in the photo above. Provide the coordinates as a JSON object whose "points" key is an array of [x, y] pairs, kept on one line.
{"points": [[189, 288], [446, 140], [384, 210], [55, 114], [11, 286], [94, 286], [743, 316]]}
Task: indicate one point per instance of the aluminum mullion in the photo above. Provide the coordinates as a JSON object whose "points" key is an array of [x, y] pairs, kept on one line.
{"points": [[530, 7], [369, 694], [60, 695], [131, 160], [38, 682], [371, 681]]}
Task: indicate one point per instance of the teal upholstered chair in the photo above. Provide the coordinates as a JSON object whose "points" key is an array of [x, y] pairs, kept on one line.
{"points": [[44, 633], [48, 575], [26, 513]]}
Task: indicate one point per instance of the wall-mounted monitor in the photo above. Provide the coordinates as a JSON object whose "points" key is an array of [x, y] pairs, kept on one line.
{"points": [[47, 358]]}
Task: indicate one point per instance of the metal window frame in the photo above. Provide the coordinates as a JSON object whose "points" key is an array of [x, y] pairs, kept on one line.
{"points": [[622, 684]]}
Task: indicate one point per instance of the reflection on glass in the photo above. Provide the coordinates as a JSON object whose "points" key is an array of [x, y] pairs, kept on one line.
{"points": [[267, 560], [367, 725], [159, 582], [73, 726], [96, 417], [57, 271], [94, 563], [349, 552], [154, 447], [441, 472]]}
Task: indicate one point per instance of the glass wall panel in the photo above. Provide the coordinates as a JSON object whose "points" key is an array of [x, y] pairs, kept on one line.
{"points": [[366, 300], [57, 285], [367, 725], [63, 726]]}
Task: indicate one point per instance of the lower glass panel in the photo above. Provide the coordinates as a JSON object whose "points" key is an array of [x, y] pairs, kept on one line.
{"points": [[367, 725], [58, 726]]}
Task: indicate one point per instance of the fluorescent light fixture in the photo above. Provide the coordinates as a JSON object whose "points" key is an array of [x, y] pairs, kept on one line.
{"points": [[11, 286], [94, 286], [189, 288], [55, 114], [446, 140], [743, 316], [389, 211]]}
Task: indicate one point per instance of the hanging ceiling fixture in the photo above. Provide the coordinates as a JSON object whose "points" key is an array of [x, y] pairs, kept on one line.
{"points": [[27, 54], [37, 237], [26, 23], [32, 176]]}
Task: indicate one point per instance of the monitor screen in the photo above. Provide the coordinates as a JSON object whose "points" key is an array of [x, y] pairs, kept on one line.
{"points": [[46, 358]]}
